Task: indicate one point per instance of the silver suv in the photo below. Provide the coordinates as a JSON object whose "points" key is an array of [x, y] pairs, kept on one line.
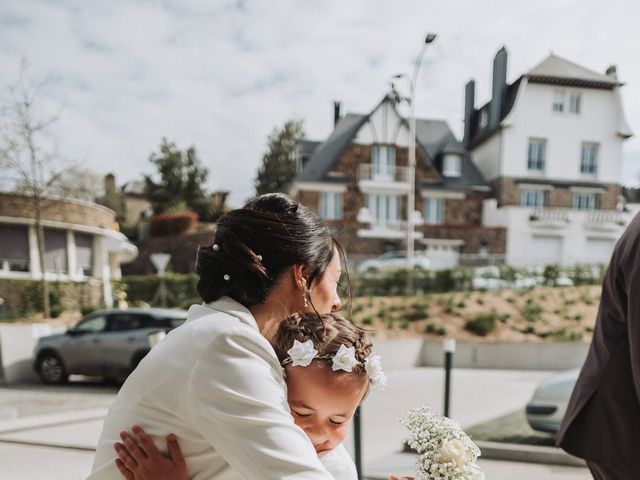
{"points": [[108, 343]]}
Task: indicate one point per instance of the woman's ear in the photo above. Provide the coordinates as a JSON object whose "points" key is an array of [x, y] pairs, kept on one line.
{"points": [[299, 276]]}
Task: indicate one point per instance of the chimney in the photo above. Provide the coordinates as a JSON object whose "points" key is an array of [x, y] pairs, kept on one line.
{"points": [[109, 184], [469, 107], [612, 71], [498, 86], [336, 113]]}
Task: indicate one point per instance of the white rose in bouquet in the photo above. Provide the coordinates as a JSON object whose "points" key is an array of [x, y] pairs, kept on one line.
{"points": [[445, 451]]}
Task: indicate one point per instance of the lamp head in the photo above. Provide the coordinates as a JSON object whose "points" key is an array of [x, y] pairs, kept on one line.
{"points": [[430, 38]]}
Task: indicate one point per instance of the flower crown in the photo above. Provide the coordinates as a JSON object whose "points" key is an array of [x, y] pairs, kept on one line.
{"points": [[303, 353]]}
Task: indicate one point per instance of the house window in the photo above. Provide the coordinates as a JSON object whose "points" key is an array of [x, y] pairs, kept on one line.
{"points": [[533, 198], [14, 254], [574, 102], [452, 165], [433, 211], [384, 209], [84, 253], [331, 205], [384, 160], [589, 159], [585, 201], [536, 155], [484, 118], [558, 101], [55, 251]]}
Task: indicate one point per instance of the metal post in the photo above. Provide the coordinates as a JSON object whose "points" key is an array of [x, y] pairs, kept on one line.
{"points": [[357, 440], [411, 200], [449, 348]]}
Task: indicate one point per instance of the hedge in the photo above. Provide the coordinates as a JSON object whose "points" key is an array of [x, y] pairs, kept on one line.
{"points": [[143, 288]]}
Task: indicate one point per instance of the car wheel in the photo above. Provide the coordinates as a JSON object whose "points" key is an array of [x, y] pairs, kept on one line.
{"points": [[51, 369]]}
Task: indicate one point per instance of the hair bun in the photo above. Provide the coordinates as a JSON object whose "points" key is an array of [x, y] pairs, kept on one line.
{"points": [[273, 203]]}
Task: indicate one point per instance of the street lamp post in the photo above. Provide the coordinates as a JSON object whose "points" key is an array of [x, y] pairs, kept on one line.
{"points": [[411, 200]]}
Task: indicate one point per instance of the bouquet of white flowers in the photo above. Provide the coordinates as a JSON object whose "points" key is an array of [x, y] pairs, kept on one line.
{"points": [[445, 451]]}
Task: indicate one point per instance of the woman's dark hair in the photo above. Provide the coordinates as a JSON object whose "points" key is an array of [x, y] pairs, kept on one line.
{"points": [[253, 246]]}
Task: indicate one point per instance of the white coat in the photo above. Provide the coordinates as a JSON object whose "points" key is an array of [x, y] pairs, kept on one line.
{"points": [[217, 384]]}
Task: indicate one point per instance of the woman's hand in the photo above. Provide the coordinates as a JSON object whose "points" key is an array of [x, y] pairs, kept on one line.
{"points": [[393, 477], [139, 459]]}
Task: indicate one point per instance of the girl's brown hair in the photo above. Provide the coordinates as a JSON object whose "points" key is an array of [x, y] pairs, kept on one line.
{"points": [[328, 332]]}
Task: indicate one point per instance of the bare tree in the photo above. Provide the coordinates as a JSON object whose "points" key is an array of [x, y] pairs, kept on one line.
{"points": [[28, 149]]}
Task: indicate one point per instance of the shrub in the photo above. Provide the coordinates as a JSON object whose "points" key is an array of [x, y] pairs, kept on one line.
{"points": [[531, 312], [172, 223], [461, 304], [143, 288], [444, 281], [504, 317], [481, 324], [480, 301], [56, 311], [551, 274], [87, 309], [368, 320]]}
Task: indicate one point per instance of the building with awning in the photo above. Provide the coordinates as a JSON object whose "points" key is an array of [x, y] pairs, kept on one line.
{"points": [[81, 243]]}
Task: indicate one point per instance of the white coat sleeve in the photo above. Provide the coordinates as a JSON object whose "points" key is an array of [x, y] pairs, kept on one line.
{"points": [[238, 403]]}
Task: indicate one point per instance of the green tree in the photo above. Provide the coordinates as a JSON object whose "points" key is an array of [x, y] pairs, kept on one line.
{"points": [[279, 163], [181, 181]]}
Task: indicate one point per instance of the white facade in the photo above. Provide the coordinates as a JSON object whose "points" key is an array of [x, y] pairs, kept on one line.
{"points": [[600, 121], [557, 134], [555, 235]]}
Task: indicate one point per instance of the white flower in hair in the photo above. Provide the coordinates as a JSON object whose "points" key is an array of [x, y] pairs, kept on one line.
{"points": [[302, 354], [345, 359], [373, 366]]}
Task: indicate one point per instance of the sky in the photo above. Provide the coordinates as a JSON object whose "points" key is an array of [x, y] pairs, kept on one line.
{"points": [[221, 75]]}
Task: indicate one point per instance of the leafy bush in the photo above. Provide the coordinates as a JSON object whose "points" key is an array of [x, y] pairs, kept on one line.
{"points": [[481, 324], [532, 311], [181, 287], [56, 311], [87, 309], [172, 223], [551, 274], [368, 320]]}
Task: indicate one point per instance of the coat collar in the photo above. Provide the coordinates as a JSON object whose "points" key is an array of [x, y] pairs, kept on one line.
{"points": [[224, 305]]}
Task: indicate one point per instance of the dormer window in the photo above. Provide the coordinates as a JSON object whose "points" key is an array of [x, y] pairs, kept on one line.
{"points": [[452, 165]]}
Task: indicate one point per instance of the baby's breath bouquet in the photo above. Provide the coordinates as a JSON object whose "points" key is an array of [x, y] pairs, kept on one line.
{"points": [[445, 451]]}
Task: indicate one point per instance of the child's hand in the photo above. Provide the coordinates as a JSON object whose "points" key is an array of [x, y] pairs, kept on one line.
{"points": [[393, 477], [139, 459]]}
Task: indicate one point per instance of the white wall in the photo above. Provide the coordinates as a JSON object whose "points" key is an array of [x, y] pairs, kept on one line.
{"points": [[487, 157], [577, 238], [532, 116], [384, 126]]}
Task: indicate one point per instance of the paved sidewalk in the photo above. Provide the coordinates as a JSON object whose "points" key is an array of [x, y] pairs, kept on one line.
{"points": [[54, 445]]}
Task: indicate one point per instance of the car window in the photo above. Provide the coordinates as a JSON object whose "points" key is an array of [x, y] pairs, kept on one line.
{"points": [[173, 322], [93, 324], [121, 322]]}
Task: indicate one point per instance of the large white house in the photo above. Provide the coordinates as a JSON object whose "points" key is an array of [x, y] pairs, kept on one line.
{"points": [[550, 146]]}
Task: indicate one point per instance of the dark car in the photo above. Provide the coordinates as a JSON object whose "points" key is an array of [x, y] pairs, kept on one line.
{"points": [[108, 343]]}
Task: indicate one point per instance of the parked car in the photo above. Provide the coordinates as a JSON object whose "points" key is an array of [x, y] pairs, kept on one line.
{"points": [[393, 261], [549, 402], [107, 343]]}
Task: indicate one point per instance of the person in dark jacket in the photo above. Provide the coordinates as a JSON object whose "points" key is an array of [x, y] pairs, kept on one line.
{"points": [[602, 422]]}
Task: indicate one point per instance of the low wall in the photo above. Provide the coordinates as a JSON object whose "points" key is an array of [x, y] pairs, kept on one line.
{"points": [[17, 343], [507, 355]]}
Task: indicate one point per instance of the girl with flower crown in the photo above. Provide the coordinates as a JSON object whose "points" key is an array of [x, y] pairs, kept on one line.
{"points": [[329, 367]]}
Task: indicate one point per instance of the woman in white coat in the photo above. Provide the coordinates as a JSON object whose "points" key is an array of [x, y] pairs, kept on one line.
{"points": [[215, 382]]}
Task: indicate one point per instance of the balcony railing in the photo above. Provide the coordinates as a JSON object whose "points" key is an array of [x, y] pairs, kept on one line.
{"points": [[550, 215], [381, 173], [561, 217]]}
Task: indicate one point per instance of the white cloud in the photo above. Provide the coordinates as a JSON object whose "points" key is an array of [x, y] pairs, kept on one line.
{"points": [[221, 75]]}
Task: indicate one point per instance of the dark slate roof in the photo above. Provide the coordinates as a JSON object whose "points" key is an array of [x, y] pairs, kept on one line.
{"points": [[326, 154], [479, 135], [306, 147], [436, 139]]}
